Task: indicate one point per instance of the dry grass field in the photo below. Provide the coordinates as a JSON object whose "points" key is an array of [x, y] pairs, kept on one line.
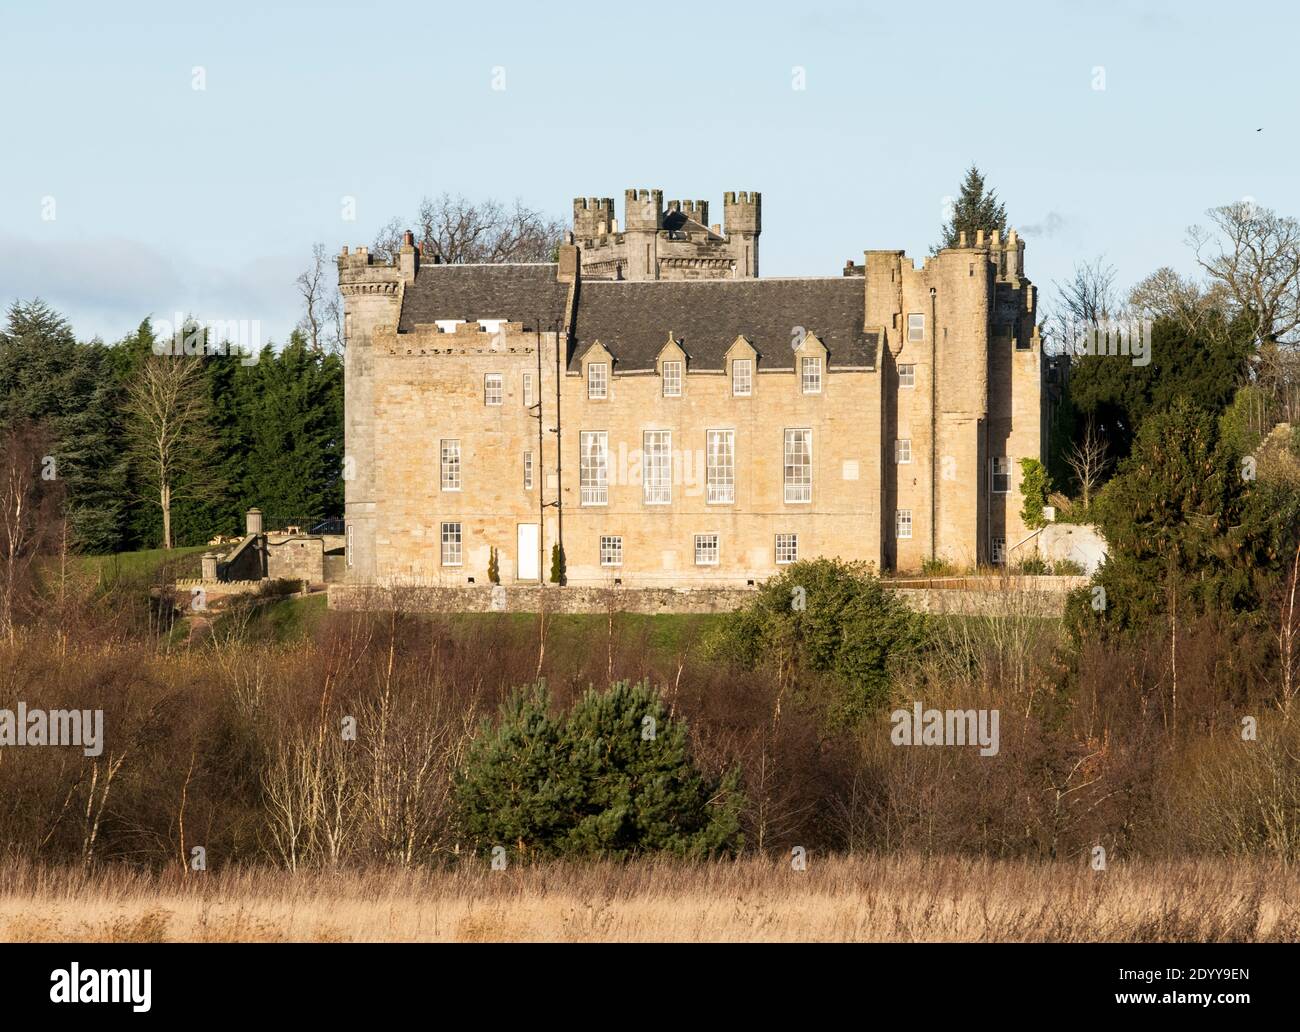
{"points": [[836, 899]]}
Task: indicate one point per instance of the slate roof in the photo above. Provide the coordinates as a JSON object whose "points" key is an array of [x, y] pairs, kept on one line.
{"points": [[633, 319], [520, 293]]}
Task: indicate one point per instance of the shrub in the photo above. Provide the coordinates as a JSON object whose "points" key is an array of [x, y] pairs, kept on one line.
{"points": [[827, 617], [494, 567], [612, 779], [935, 567], [557, 565], [1035, 486]]}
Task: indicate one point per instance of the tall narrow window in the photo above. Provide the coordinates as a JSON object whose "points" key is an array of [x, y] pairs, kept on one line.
{"points": [[907, 375], [706, 549], [811, 374], [999, 550], [798, 465], [916, 326], [903, 523], [451, 465], [787, 548], [529, 400], [528, 471], [611, 550], [593, 473], [903, 451], [598, 380], [451, 544], [742, 377], [492, 389], [1000, 474], [657, 467], [720, 467], [672, 379], [348, 550]]}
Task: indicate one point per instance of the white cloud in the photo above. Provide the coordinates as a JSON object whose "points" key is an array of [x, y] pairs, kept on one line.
{"points": [[106, 286]]}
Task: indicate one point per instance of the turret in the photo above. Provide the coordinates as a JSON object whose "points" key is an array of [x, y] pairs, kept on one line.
{"points": [[743, 220], [593, 217], [643, 211]]}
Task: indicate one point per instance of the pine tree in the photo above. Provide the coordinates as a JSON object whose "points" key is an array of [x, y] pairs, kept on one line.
{"points": [[48, 378], [974, 210], [613, 778]]}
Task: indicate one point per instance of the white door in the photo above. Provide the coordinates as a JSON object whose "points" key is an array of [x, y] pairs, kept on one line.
{"points": [[526, 557]]}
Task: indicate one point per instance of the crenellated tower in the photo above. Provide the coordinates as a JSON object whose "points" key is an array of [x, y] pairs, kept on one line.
{"points": [[743, 221], [672, 241]]}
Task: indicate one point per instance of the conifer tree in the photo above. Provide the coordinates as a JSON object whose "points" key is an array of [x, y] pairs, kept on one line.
{"points": [[975, 209]]}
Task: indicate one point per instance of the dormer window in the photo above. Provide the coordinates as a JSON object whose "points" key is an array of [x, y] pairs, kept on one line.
{"points": [[811, 374], [742, 377], [672, 374], [598, 380]]}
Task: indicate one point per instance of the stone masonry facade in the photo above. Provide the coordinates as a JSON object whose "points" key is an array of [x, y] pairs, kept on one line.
{"points": [[674, 420]]}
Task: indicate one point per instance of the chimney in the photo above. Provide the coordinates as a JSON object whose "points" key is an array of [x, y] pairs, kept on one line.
{"points": [[408, 259]]}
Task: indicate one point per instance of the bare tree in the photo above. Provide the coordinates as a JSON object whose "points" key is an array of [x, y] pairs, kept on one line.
{"points": [[454, 229], [28, 514], [322, 318], [1254, 255], [1085, 299], [1088, 460], [1190, 304], [167, 424]]}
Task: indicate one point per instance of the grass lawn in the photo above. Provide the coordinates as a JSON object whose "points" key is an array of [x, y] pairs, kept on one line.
{"points": [[145, 565]]}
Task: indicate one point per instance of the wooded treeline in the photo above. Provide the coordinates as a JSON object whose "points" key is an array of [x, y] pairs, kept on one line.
{"points": [[115, 425]]}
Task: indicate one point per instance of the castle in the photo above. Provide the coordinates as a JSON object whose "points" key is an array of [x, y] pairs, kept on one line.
{"points": [[671, 419]]}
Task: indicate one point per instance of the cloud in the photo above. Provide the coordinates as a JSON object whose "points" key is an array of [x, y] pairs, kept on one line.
{"points": [[106, 286]]}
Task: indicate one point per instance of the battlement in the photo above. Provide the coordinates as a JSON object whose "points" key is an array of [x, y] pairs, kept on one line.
{"points": [[742, 212], [696, 211], [1007, 253], [592, 217], [643, 210]]}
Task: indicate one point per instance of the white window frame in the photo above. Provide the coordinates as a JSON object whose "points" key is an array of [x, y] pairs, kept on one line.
{"points": [[452, 553], [720, 467], [706, 545], [998, 551], [611, 550], [994, 461], [657, 467], [903, 520], [597, 382], [787, 545], [903, 451], [742, 378], [907, 375], [528, 471], [348, 550], [915, 326], [494, 389], [529, 399], [449, 464], [810, 374], [593, 467], [797, 476], [673, 373]]}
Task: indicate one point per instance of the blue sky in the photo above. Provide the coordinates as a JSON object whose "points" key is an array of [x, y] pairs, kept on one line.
{"points": [[167, 198]]}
